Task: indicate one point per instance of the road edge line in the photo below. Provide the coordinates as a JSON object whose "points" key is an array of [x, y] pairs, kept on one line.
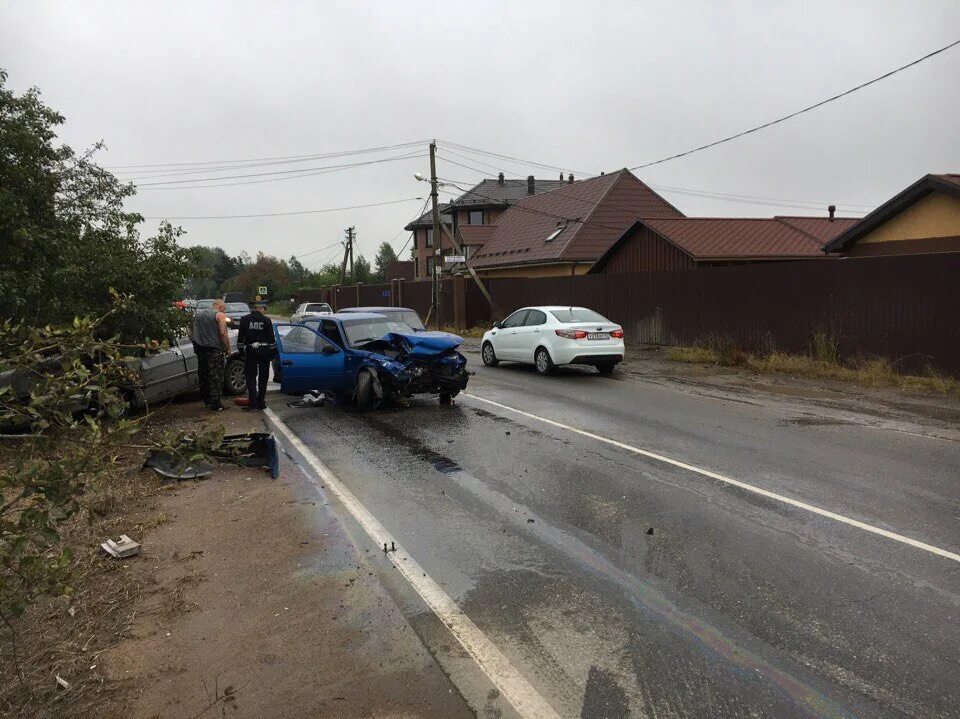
{"points": [[916, 543], [515, 688]]}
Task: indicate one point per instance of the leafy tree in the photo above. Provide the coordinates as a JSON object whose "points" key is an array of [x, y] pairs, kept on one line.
{"points": [[265, 270], [213, 267], [385, 257], [59, 370], [298, 273], [361, 271], [66, 237]]}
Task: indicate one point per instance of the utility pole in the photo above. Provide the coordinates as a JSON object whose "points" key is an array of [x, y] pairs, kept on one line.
{"points": [[437, 239], [347, 255], [351, 234]]}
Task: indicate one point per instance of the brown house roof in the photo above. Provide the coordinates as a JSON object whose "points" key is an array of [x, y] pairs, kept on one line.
{"points": [[734, 237], [946, 183], [583, 219], [822, 229], [500, 193], [739, 238]]}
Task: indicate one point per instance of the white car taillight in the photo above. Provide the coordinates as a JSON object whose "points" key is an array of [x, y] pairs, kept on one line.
{"points": [[571, 334]]}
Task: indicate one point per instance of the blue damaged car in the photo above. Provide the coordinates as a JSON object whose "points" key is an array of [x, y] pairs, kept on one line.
{"points": [[367, 358]]}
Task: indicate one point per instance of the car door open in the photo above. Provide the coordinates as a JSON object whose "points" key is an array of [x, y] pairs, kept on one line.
{"points": [[308, 361]]}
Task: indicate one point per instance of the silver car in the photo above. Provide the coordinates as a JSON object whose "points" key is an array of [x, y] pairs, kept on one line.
{"points": [[309, 310], [162, 376]]}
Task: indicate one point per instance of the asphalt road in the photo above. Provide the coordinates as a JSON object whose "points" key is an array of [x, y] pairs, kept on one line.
{"points": [[621, 585]]}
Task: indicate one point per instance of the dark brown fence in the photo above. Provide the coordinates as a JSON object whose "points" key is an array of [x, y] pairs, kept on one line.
{"points": [[906, 308]]}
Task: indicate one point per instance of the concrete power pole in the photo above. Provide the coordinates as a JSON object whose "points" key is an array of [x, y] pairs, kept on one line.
{"points": [[347, 256], [437, 238]]}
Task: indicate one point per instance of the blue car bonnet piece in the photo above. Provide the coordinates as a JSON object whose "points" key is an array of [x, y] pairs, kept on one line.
{"points": [[426, 344]]}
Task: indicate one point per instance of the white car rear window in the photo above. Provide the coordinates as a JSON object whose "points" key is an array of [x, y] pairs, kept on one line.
{"points": [[577, 314]]}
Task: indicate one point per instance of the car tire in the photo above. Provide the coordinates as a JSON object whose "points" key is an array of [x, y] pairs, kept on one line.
{"points": [[489, 355], [447, 397], [606, 368], [234, 379], [365, 394], [542, 361]]}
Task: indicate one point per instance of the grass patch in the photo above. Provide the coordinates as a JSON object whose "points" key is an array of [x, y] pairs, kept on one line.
{"points": [[823, 362], [694, 355], [469, 332]]}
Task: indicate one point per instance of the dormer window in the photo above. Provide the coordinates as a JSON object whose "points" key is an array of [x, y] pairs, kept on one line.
{"points": [[475, 217]]}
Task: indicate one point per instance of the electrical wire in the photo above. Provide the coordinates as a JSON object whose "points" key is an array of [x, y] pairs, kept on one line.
{"points": [[281, 214], [797, 112], [274, 160], [313, 252], [848, 208], [487, 153], [288, 173]]}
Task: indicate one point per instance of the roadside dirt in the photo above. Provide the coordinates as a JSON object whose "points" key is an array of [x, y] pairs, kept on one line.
{"points": [[252, 585], [248, 600]]}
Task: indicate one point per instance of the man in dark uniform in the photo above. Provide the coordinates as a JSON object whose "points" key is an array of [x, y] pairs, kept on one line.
{"points": [[257, 343]]}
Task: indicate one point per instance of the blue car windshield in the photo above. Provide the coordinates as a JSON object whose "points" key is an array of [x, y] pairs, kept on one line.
{"points": [[361, 331]]}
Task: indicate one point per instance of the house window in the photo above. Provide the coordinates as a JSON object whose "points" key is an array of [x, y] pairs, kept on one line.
{"points": [[475, 217], [416, 266], [430, 266], [430, 237], [414, 239]]}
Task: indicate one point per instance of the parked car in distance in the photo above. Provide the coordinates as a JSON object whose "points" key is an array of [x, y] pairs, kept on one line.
{"points": [[308, 310], [235, 297], [401, 314], [235, 310], [368, 358], [549, 336], [204, 304], [190, 304]]}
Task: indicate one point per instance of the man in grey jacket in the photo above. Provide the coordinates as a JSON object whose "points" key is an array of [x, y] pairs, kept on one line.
{"points": [[211, 343]]}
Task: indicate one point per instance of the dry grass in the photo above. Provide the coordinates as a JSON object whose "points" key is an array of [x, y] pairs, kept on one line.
{"points": [[48, 639], [468, 332], [823, 362]]}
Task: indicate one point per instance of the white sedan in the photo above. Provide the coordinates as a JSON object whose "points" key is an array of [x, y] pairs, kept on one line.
{"points": [[549, 336], [310, 310]]}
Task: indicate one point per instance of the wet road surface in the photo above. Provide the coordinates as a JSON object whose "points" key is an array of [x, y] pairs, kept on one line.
{"points": [[619, 585]]}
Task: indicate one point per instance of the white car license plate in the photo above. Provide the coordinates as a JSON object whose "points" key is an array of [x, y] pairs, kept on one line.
{"points": [[598, 336]]}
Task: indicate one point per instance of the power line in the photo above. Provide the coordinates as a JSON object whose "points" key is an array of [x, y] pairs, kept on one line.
{"points": [[847, 207], [274, 160], [313, 252], [798, 112], [281, 214], [487, 153], [278, 172]]}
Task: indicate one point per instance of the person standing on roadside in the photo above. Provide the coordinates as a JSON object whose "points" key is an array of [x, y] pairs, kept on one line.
{"points": [[257, 343], [211, 344]]}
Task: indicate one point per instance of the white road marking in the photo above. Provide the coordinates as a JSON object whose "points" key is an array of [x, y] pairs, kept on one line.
{"points": [[729, 480], [511, 684]]}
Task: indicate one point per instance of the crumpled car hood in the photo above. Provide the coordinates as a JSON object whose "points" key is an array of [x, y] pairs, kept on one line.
{"points": [[421, 344]]}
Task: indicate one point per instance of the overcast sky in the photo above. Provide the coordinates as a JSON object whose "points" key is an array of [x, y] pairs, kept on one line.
{"points": [[587, 86]]}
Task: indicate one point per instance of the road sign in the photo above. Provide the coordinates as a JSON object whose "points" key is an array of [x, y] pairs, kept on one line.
{"points": [[261, 290], [258, 298], [453, 259]]}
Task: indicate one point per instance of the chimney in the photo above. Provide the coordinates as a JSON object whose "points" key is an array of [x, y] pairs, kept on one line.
{"points": [[531, 185], [570, 178], [500, 179], [561, 177], [832, 210]]}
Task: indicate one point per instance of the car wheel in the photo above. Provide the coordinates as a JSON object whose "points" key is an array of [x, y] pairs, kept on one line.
{"points": [[365, 394], [234, 380], [488, 355], [606, 368], [542, 361]]}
